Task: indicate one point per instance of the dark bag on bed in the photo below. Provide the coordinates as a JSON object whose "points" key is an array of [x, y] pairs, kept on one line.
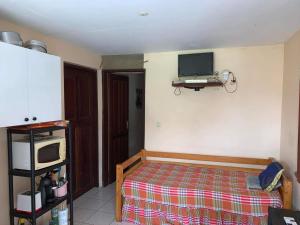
{"points": [[269, 177]]}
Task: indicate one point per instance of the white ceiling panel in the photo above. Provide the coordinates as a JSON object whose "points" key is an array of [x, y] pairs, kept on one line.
{"points": [[115, 26]]}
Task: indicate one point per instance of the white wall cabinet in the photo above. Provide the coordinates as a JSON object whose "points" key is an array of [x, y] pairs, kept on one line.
{"points": [[30, 86]]}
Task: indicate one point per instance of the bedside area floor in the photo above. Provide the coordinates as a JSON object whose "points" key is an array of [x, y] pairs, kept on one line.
{"points": [[96, 207]]}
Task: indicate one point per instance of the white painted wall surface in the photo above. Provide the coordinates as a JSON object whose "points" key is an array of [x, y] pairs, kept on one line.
{"points": [[246, 123], [290, 108]]}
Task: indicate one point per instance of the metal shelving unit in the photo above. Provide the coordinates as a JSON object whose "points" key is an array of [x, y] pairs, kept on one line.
{"points": [[33, 130]]}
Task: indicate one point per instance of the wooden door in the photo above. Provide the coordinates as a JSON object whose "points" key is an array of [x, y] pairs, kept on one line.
{"points": [[80, 86], [116, 97]]}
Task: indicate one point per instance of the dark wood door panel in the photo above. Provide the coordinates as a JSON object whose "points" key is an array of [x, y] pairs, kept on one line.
{"points": [[119, 150], [119, 105], [76, 157], [115, 134], [85, 165], [123, 149], [70, 94], [118, 90], [81, 108], [85, 103]]}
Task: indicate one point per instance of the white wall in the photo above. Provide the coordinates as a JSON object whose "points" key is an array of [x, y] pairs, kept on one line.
{"points": [[290, 108], [246, 123]]}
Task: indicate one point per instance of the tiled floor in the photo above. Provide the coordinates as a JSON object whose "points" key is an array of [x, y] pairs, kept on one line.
{"points": [[96, 207]]}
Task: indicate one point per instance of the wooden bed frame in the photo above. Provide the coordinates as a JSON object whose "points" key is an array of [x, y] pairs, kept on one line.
{"points": [[137, 160]]}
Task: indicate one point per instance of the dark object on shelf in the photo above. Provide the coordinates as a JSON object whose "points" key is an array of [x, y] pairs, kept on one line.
{"points": [[45, 188], [279, 216], [197, 86], [33, 130]]}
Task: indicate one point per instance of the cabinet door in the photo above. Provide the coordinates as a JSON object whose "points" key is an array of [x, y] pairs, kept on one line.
{"points": [[13, 85], [44, 87]]}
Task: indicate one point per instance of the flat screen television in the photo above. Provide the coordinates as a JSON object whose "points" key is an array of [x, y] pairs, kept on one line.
{"points": [[199, 64]]}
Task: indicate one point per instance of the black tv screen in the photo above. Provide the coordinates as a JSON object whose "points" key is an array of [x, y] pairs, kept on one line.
{"points": [[199, 64]]}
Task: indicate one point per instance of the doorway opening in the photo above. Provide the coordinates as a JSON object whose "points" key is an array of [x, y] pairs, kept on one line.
{"points": [[123, 118], [81, 109]]}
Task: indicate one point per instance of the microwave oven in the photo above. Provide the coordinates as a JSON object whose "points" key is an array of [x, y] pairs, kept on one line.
{"points": [[48, 151]]}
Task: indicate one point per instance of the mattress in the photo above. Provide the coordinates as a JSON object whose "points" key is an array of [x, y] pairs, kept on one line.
{"points": [[198, 188]]}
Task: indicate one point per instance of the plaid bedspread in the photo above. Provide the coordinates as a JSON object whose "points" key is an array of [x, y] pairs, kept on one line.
{"points": [[195, 187], [146, 213]]}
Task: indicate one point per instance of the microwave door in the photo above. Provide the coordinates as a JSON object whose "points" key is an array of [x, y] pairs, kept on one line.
{"points": [[48, 153]]}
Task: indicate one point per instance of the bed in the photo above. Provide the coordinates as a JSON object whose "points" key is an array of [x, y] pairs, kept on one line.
{"points": [[152, 191]]}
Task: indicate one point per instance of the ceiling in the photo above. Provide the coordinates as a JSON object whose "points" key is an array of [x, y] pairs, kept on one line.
{"points": [[116, 27]]}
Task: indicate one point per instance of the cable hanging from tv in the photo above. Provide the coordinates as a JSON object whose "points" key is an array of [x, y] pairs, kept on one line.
{"points": [[229, 81], [231, 84]]}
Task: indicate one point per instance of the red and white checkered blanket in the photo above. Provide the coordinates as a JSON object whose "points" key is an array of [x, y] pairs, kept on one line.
{"points": [[146, 213], [196, 187]]}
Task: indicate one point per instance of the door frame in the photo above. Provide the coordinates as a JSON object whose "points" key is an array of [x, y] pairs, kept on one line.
{"points": [[105, 117], [96, 154]]}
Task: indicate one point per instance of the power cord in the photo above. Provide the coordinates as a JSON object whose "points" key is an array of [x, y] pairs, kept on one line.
{"points": [[177, 91], [231, 82]]}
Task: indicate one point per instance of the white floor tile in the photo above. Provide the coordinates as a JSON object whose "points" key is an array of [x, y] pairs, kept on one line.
{"points": [[109, 189], [78, 201], [91, 192], [91, 203], [81, 223], [122, 223], [101, 218], [82, 215], [96, 207], [103, 195], [109, 207]]}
